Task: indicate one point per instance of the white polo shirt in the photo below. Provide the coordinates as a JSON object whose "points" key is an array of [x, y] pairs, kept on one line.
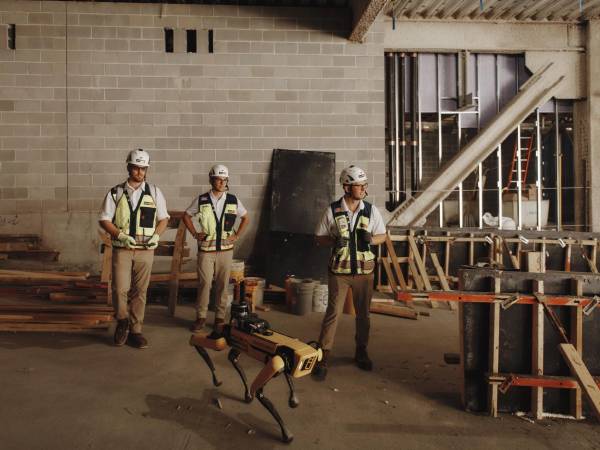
{"points": [[218, 205], [328, 227], [109, 207]]}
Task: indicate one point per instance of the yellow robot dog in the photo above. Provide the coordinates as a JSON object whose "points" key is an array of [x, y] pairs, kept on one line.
{"points": [[247, 333]]}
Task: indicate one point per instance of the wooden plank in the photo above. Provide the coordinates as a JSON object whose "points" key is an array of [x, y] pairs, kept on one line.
{"points": [[53, 308], [537, 359], [576, 338], [75, 298], [537, 341], [440, 272], [581, 372], [568, 258], [494, 350], [169, 250], [163, 277], [591, 261], [390, 275], [53, 327], [47, 276], [393, 310], [419, 262], [176, 267], [389, 245], [447, 254], [415, 274], [36, 254]]}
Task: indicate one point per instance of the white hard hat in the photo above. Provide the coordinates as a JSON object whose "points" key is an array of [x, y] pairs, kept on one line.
{"points": [[353, 175], [219, 170], [138, 157]]}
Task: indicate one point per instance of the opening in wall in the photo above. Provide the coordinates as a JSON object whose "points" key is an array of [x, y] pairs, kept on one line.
{"points": [[169, 40], [12, 36], [437, 103]]}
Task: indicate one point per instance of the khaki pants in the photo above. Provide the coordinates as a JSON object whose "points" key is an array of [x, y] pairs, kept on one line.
{"points": [[131, 274], [217, 265], [362, 292]]}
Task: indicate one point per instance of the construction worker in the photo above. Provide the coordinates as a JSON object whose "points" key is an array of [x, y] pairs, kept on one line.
{"points": [[350, 225], [134, 213], [216, 211]]}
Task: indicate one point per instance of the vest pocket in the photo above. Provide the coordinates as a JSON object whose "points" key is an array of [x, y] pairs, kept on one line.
{"points": [[229, 221], [362, 246], [147, 217]]}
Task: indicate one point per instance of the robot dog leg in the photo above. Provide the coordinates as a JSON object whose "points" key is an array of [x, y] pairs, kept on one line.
{"points": [[273, 368], [234, 356], [200, 343]]}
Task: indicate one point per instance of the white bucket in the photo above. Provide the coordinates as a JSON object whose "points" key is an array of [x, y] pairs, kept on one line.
{"points": [[320, 298]]}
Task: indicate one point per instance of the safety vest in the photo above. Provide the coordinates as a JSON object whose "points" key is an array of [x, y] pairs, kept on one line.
{"points": [[217, 229], [356, 257], [138, 221]]}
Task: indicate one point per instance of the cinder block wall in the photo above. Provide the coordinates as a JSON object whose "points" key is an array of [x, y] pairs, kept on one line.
{"points": [[90, 81]]}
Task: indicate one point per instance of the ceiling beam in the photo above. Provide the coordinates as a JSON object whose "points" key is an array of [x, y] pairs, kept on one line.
{"points": [[534, 9], [544, 14], [487, 4], [499, 10], [364, 13], [587, 6], [452, 7], [431, 10], [466, 10], [560, 13], [398, 7], [515, 10]]}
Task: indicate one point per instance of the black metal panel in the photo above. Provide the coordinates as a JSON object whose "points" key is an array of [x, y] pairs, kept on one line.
{"points": [[303, 186], [295, 254]]}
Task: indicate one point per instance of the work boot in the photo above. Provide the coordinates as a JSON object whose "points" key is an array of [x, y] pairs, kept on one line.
{"points": [[121, 332], [198, 325], [136, 340], [319, 373], [218, 325], [361, 358]]}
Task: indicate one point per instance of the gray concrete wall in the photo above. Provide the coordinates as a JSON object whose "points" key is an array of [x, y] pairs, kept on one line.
{"points": [[90, 81]]}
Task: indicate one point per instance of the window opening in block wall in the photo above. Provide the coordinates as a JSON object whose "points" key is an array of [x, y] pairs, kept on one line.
{"points": [[12, 36], [191, 41], [169, 40], [210, 41]]}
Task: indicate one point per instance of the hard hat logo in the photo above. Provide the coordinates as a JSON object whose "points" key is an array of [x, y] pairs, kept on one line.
{"points": [[353, 175], [219, 170], [138, 157]]}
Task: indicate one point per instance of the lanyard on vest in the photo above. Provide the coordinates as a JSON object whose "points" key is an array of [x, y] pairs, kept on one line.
{"points": [[132, 211], [219, 220], [352, 243]]}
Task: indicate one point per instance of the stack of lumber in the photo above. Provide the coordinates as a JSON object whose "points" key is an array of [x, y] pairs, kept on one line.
{"points": [[25, 246], [52, 301]]}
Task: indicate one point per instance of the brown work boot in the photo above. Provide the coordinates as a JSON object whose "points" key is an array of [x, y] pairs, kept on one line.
{"points": [[121, 332], [136, 340], [198, 325], [361, 358], [319, 373], [218, 325]]}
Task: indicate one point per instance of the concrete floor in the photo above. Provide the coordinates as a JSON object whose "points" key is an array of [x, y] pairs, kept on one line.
{"points": [[79, 392]]}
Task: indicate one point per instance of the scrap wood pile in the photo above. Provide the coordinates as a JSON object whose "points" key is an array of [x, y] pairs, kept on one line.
{"points": [[52, 301], [24, 247]]}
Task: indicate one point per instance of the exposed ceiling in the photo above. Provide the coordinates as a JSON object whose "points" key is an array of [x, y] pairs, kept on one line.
{"points": [[287, 3], [497, 10]]}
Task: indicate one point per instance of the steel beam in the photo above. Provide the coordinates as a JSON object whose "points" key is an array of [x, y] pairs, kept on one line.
{"points": [[367, 17]]}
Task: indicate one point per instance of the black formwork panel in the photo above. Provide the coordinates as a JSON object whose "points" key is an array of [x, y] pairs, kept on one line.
{"points": [[302, 187], [516, 338]]}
